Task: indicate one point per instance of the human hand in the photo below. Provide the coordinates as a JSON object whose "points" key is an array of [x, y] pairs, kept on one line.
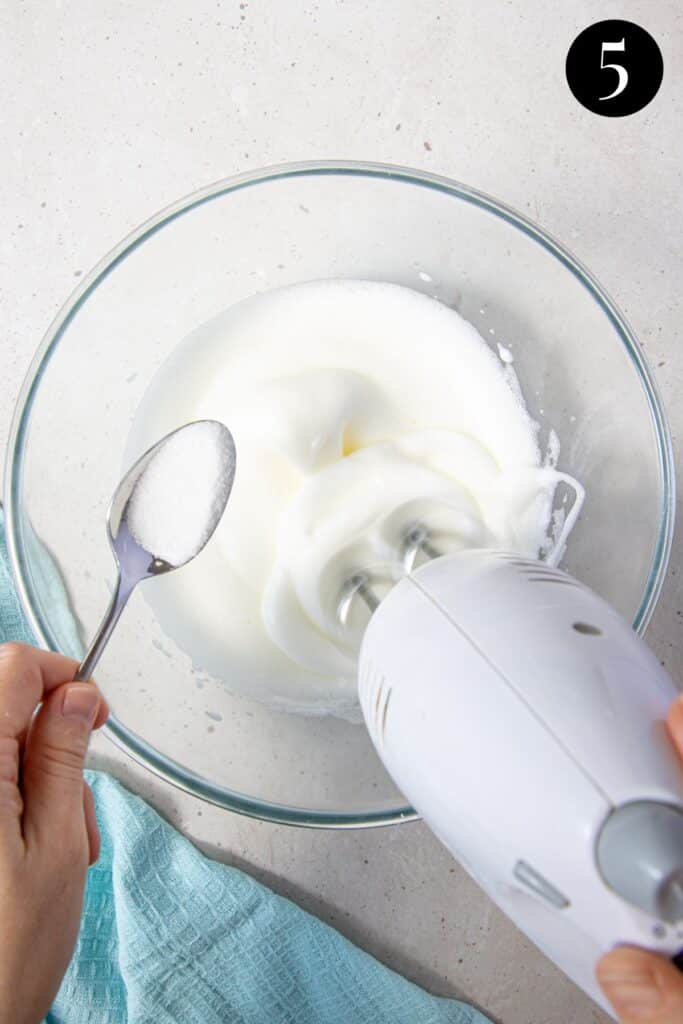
{"points": [[48, 831], [645, 988]]}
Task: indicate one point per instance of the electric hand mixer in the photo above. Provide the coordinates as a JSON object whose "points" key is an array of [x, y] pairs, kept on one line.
{"points": [[524, 719]]}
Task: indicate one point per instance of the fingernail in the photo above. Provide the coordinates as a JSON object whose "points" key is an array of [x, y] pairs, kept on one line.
{"points": [[633, 995], [80, 702]]}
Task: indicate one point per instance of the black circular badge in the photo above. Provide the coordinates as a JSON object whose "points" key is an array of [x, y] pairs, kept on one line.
{"points": [[614, 68]]}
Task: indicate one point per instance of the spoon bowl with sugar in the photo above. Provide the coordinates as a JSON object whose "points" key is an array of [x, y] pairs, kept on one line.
{"points": [[164, 512]]}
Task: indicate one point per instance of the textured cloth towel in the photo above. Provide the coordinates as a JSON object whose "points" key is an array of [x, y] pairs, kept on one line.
{"points": [[171, 937]]}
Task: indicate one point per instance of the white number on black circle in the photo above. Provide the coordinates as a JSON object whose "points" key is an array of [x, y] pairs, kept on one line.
{"points": [[620, 70]]}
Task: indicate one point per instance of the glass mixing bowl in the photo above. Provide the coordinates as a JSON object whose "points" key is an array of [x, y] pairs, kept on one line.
{"points": [[579, 365]]}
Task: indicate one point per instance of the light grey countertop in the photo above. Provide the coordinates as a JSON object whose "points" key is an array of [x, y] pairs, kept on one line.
{"points": [[112, 110]]}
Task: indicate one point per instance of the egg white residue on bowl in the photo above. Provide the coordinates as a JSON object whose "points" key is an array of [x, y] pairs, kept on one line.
{"points": [[357, 408]]}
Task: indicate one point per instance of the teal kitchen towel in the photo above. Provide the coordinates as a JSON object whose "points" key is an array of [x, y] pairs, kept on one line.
{"points": [[171, 937]]}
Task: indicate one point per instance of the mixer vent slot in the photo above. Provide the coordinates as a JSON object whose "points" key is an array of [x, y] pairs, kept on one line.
{"points": [[380, 709], [551, 577], [522, 563], [368, 682], [375, 696], [538, 572], [385, 709]]}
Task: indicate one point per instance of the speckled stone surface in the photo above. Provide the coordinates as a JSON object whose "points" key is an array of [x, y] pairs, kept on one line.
{"points": [[111, 110]]}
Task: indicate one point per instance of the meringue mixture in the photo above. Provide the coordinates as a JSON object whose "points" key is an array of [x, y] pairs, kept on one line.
{"points": [[358, 409]]}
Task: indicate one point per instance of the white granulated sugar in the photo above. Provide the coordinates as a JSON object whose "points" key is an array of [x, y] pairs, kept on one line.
{"points": [[180, 496]]}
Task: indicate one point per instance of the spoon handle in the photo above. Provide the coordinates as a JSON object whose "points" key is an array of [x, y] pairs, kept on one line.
{"points": [[118, 602]]}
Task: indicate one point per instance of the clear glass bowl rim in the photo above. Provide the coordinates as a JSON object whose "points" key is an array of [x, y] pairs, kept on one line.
{"points": [[133, 744]]}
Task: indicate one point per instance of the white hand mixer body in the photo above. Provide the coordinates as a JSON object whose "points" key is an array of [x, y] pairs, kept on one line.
{"points": [[524, 720]]}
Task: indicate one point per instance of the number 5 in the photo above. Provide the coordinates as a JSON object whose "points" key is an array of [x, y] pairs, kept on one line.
{"points": [[621, 71]]}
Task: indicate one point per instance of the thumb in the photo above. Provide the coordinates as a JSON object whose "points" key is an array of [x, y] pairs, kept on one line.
{"points": [[643, 988], [52, 777]]}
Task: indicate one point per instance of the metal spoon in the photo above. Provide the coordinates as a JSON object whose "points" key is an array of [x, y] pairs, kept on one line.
{"points": [[134, 562]]}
